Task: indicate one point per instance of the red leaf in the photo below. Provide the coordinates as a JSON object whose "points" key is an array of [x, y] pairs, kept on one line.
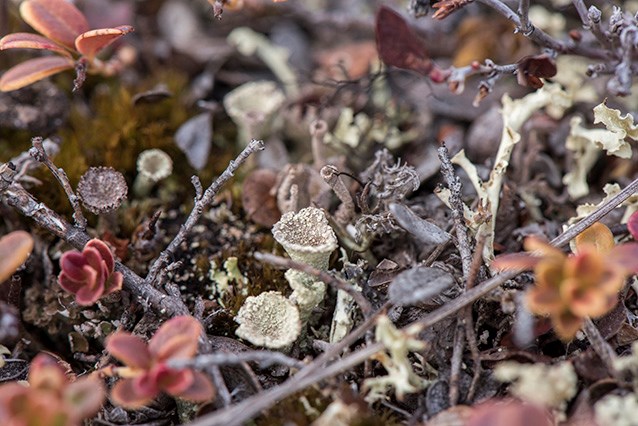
{"points": [[200, 390], [127, 394], [28, 72], [58, 20], [31, 41], [626, 255], [85, 396], [129, 349], [104, 251], [398, 44], [91, 42], [632, 225], [515, 261], [175, 339]]}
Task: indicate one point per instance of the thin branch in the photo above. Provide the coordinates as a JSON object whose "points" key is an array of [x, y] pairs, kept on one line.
{"points": [[523, 15], [315, 372], [600, 346], [16, 196], [198, 209], [265, 359], [454, 184], [540, 37], [331, 280], [38, 153]]}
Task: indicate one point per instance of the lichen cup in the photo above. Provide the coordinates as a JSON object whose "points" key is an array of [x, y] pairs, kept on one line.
{"points": [[269, 320], [306, 236]]}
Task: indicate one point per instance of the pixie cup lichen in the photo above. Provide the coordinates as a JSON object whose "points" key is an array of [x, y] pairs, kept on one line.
{"points": [[254, 108], [153, 165], [308, 238], [269, 320]]}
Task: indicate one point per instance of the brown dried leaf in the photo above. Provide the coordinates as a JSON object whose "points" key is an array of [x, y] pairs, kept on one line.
{"points": [[532, 68], [398, 44], [33, 70], [257, 200], [31, 41], [92, 42], [15, 248], [58, 20]]}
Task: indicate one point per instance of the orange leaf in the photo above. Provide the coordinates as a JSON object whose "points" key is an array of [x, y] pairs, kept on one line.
{"points": [[597, 235], [515, 261], [33, 70], [91, 42], [31, 41], [15, 248], [58, 20]]}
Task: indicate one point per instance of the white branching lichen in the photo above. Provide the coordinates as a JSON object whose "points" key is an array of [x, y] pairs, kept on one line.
{"points": [[401, 376], [269, 320], [547, 385]]}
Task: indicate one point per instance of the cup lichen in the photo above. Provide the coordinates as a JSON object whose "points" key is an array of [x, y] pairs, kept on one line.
{"points": [[269, 320]]}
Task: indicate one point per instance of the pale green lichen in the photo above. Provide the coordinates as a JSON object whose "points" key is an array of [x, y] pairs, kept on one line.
{"points": [[249, 42], [617, 410], [515, 113], [254, 107], [222, 278], [401, 376], [269, 320], [306, 236], [153, 165], [547, 385], [587, 144], [307, 295]]}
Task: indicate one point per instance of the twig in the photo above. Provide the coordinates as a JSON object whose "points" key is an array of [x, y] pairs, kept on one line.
{"points": [[542, 38], [198, 209], [457, 359], [25, 203], [218, 380], [38, 153], [315, 372], [463, 240], [600, 346], [468, 319], [265, 359], [454, 184], [331, 280], [523, 15]]}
